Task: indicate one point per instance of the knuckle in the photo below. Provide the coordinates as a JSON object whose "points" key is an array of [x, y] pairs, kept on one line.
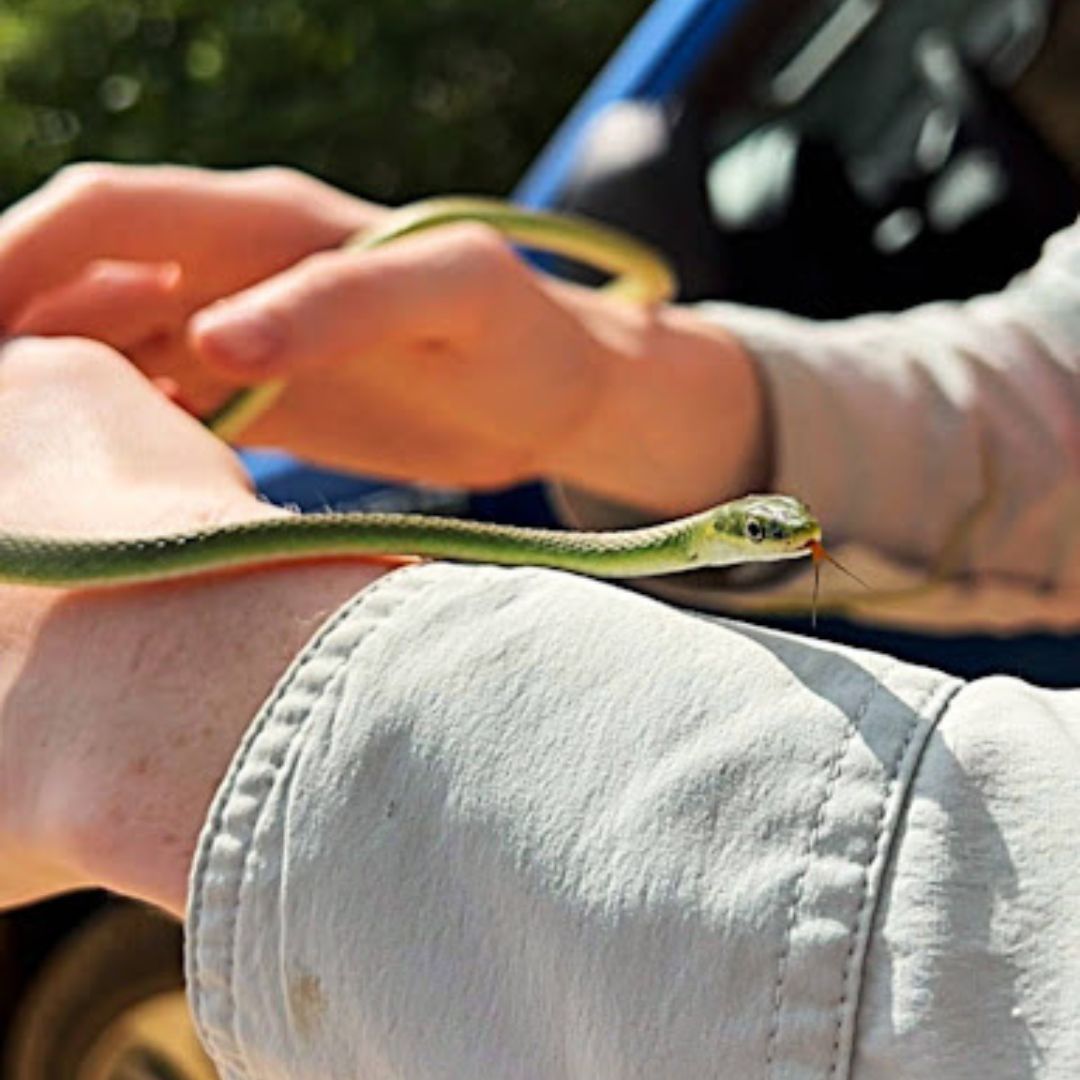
{"points": [[280, 179], [88, 181], [483, 244], [276, 174], [486, 270]]}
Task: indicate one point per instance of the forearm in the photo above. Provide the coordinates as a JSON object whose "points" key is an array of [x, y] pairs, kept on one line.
{"points": [[123, 710]]}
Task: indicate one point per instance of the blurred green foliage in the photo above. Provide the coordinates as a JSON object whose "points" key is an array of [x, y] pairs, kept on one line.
{"points": [[391, 98]]}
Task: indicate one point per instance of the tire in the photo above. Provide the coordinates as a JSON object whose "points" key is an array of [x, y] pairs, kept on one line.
{"points": [[109, 1004]]}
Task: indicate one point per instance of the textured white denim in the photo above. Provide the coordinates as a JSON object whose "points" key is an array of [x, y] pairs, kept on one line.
{"points": [[513, 823]]}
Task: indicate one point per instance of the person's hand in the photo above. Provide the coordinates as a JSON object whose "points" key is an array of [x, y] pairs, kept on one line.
{"points": [[90, 448], [125, 255], [119, 709], [440, 358]]}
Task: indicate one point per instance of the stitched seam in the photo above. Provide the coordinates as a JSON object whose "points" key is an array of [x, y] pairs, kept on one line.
{"points": [[267, 717], [833, 776], [229, 791], [849, 977], [879, 828], [274, 774]]}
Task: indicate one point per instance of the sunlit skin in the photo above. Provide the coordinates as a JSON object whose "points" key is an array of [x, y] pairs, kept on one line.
{"points": [[397, 361], [120, 709]]}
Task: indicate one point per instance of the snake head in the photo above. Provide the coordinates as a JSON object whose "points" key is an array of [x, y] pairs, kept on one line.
{"points": [[764, 528]]}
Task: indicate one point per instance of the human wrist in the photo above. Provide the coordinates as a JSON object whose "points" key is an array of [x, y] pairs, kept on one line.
{"points": [[29, 867], [676, 419], [129, 706]]}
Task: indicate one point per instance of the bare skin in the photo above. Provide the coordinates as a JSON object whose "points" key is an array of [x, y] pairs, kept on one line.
{"points": [[119, 711], [441, 358]]}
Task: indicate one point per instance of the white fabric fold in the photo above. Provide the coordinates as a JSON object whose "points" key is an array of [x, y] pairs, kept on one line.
{"points": [[513, 823]]}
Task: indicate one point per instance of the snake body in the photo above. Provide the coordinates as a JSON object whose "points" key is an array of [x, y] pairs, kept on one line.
{"points": [[755, 528]]}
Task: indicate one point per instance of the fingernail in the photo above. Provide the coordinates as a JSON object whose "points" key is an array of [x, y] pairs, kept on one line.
{"points": [[170, 275], [248, 339]]}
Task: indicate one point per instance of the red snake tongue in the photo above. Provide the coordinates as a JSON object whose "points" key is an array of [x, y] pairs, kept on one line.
{"points": [[819, 555]]}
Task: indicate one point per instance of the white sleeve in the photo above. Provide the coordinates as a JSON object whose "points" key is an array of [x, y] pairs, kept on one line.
{"points": [[516, 824], [945, 438]]}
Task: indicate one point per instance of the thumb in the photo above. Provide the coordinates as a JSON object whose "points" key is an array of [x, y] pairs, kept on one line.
{"points": [[335, 306], [242, 338]]}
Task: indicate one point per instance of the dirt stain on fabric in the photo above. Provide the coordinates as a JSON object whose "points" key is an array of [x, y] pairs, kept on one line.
{"points": [[307, 1003]]}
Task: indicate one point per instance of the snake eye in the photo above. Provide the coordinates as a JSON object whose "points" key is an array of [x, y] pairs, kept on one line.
{"points": [[754, 530]]}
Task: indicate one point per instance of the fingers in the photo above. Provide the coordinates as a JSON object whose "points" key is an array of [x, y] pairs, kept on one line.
{"points": [[227, 229], [120, 303], [86, 213], [336, 306]]}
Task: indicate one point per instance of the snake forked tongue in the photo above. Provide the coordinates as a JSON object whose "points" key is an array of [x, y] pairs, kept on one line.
{"points": [[818, 555]]}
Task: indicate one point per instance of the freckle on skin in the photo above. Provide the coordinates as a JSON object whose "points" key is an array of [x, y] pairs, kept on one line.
{"points": [[141, 766]]}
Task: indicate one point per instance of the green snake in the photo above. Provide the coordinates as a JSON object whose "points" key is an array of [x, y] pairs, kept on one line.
{"points": [[755, 528]]}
